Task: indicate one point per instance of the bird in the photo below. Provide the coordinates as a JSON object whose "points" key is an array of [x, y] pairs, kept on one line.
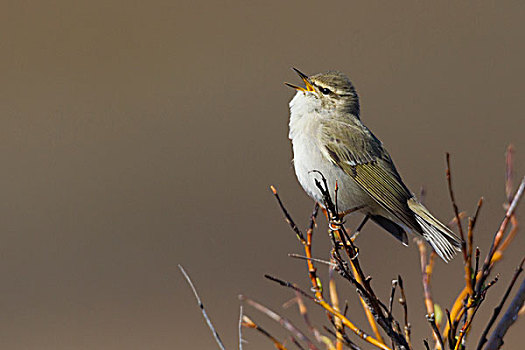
{"points": [[330, 141]]}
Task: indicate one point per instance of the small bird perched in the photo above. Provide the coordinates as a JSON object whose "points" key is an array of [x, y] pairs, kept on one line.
{"points": [[329, 138]]}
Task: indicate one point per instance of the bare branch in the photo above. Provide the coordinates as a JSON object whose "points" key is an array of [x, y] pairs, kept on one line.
{"points": [[403, 302], [498, 308], [485, 270], [284, 322], [432, 321], [201, 306], [248, 323], [510, 316], [240, 328], [287, 216], [298, 256], [334, 312]]}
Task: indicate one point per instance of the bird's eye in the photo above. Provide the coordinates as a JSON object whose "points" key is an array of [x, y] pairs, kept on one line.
{"points": [[324, 91]]}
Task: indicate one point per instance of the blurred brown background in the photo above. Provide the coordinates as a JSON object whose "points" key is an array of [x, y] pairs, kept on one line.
{"points": [[138, 136]]}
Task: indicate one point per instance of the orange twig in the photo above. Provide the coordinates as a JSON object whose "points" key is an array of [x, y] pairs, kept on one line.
{"points": [[340, 238], [350, 325], [368, 313], [334, 297], [287, 324], [248, 323], [312, 271], [426, 273], [334, 312]]}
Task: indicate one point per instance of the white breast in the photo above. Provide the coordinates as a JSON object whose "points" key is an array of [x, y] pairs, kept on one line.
{"points": [[305, 123]]}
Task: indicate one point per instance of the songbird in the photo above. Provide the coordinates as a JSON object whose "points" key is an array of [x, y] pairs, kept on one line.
{"points": [[329, 138]]}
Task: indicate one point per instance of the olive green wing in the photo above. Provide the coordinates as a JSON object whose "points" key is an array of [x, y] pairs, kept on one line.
{"points": [[370, 165]]}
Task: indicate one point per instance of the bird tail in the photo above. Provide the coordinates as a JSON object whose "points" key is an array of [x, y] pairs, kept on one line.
{"points": [[441, 238]]}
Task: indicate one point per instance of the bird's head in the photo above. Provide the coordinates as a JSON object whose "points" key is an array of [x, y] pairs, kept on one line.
{"points": [[331, 91]]}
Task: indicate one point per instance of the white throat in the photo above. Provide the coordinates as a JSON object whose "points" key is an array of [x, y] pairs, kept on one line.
{"points": [[305, 115]]}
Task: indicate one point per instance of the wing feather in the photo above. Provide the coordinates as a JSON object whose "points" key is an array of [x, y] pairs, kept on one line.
{"points": [[370, 165]]}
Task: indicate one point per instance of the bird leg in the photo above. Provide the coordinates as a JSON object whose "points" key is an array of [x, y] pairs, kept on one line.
{"points": [[350, 211], [358, 229], [340, 217]]}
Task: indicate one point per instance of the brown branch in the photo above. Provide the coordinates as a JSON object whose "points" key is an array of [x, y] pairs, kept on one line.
{"points": [[368, 313], [307, 243], [304, 312], [510, 316], [469, 315], [498, 308], [364, 290], [432, 321], [450, 336], [510, 237], [287, 216], [403, 302], [455, 311], [485, 270], [297, 343], [426, 274], [346, 341], [392, 294], [468, 277]]}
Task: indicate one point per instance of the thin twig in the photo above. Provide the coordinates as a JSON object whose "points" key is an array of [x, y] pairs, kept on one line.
{"points": [[287, 216], [392, 294], [477, 262], [485, 270], [426, 273], [498, 308], [307, 243], [340, 236], [470, 242], [510, 316], [432, 321], [469, 316], [468, 277], [334, 312], [284, 322], [403, 302], [304, 312], [495, 256], [248, 323], [240, 328], [509, 172], [451, 193], [201, 306], [296, 343], [302, 257], [334, 298], [450, 336], [346, 340]]}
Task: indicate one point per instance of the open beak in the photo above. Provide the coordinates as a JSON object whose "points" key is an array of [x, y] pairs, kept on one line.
{"points": [[307, 83]]}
